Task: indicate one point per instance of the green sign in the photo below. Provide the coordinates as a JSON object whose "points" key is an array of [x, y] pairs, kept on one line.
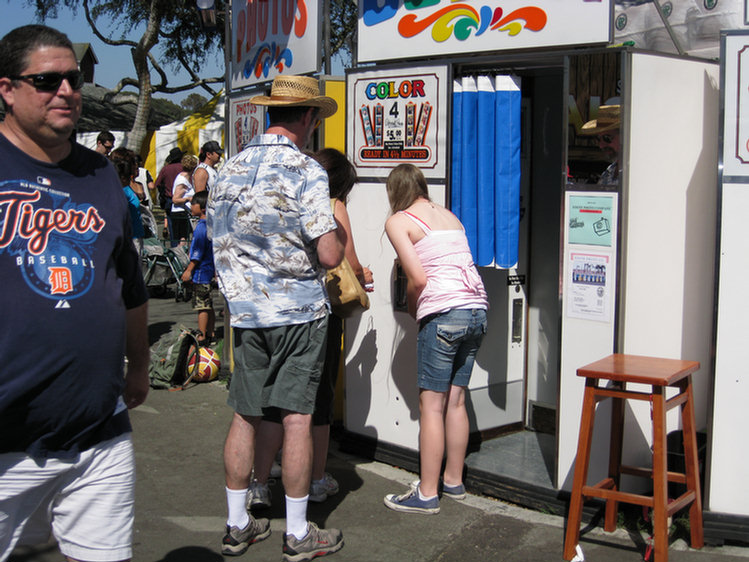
{"points": [[591, 220]]}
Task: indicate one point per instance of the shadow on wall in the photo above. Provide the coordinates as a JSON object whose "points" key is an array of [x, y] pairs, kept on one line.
{"points": [[359, 368]]}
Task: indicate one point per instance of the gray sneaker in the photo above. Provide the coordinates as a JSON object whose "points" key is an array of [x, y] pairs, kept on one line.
{"points": [[317, 542], [237, 541], [319, 491], [259, 496]]}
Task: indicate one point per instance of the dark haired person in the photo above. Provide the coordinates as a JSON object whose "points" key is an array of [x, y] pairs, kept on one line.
{"points": [[205, 174], [125, 164], [341, 179], [66, 457], [200, 270], [104, 143], [165, 183]]}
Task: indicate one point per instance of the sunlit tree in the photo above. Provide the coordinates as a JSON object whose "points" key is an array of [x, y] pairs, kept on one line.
{"points": [[173, 25]]}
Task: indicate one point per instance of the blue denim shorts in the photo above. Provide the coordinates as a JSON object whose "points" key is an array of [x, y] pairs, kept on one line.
{"points": [[447, 346]]}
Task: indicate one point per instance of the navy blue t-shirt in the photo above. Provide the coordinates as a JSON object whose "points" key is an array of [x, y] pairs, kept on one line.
{"points": [[68, 272]]}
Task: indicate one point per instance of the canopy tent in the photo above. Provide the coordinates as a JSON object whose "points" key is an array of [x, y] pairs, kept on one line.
{"points": [[189, 133]]}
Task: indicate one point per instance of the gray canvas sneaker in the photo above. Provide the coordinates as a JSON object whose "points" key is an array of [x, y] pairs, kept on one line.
{"points": [[237, 541], [317, 542]]}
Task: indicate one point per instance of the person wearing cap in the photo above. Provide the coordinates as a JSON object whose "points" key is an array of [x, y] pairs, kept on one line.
{"points": [[274, 236], [165, 184], [205, 174], [606, 127]]}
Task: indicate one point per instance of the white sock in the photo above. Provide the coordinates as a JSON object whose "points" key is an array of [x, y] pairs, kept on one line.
{"points": [[236, 502], [422, 497], [296, 517]]}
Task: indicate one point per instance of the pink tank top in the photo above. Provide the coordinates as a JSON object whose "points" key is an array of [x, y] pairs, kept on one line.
{"points": [[452, 279]]}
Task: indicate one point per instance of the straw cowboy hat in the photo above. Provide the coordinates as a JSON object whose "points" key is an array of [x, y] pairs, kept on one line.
{"points": [[304, 91], [609, 117]]}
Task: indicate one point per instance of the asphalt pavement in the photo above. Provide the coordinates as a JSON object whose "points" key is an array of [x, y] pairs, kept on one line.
{"points": [[180, 500]]}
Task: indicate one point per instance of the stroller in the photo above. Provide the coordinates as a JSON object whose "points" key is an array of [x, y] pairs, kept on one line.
{"points": [[163, 265]]}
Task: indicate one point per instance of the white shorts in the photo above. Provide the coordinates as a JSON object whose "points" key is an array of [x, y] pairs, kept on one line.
{"points": [[87, 502]]}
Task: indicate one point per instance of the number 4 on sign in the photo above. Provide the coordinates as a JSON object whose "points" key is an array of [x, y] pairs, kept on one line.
{"points": [[394, 109]]}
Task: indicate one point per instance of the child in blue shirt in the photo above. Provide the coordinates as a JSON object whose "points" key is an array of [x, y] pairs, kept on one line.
{"points": [[200, 271]]}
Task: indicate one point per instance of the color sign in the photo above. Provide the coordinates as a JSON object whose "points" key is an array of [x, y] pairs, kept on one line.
{"points": [[273, 37], [398, 116], [397, 29]]}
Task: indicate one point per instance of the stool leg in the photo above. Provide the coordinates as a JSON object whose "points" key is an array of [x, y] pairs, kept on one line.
{"points": [[615, 458], [572, 536], [692, 464], [660, 476]]}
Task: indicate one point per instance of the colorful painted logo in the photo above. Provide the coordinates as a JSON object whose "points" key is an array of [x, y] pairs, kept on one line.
{"points": [[267, 56], [264, 27], [49, 239], [457, 19]]}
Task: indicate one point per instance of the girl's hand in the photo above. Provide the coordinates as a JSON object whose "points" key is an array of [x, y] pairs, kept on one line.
{"points": [[368, 280]]}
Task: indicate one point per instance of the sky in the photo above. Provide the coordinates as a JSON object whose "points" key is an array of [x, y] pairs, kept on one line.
{"points": [[114, 62]]}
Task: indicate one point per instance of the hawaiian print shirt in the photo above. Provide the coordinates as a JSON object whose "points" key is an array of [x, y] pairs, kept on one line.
{"points": [[268, 206]]}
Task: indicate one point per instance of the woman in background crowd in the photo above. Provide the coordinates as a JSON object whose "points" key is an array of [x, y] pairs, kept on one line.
{"points": [[341, 180], [182, 193], [123, 160]]}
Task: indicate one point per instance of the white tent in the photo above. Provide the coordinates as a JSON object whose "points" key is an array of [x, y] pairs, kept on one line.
{"points": [[189, 133]]}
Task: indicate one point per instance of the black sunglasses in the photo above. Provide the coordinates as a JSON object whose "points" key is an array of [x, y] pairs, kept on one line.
{"points": [[50, 81]]}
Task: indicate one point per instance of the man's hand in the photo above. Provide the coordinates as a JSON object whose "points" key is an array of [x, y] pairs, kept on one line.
{"points": [[136, 387], [138, 354]]}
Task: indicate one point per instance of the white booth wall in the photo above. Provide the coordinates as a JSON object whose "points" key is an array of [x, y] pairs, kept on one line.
{"points": [[728, 491], [667, 251], [382, 400]]}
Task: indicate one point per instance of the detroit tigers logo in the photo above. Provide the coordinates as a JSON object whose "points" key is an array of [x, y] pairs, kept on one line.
{"points": [[36, 225], [60, 280], [50, 239]]}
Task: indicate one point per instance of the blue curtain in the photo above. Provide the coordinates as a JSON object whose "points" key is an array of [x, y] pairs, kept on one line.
{"points": [[485, 181]]}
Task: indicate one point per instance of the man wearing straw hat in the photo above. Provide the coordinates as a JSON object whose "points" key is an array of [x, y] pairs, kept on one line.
{"points": [[273, 236], [606, 126]]}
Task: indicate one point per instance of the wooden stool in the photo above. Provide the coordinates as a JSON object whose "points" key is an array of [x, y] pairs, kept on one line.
{"points": [[659, 374]]}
